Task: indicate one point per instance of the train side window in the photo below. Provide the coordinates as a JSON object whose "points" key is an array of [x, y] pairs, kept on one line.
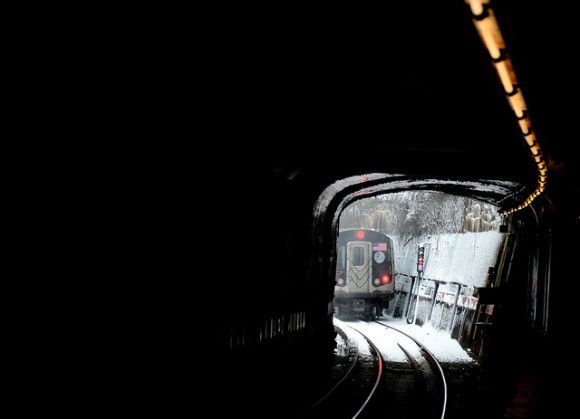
{"points": [[358, 256]]}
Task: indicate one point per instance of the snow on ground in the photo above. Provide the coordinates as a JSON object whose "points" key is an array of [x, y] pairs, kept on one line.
{"points": [[353, 335], [385, 340], [439, 343], [460, 257]]}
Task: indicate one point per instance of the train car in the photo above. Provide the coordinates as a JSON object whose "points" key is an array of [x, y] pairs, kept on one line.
{"points": [[365, 273]]}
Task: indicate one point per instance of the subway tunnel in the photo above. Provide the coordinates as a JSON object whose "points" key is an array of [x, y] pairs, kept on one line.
{"points": [[314, 109]]}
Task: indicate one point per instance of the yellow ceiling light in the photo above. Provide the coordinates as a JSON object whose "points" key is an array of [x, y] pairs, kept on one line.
{"points": [[525, 125], [490, 34], [530, 138], [507, 76], [477, 6], [536, 150], [518, 104]]}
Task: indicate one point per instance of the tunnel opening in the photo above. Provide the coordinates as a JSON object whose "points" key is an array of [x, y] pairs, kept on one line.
{"points": [[460, 241], [508, 304]]}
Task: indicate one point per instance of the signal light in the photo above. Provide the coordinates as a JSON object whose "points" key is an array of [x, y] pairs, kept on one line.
{"points": [[420, 258], [360, 234]]}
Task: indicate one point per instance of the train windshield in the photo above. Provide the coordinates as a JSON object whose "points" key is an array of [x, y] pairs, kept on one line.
{"points": [[358, 256]]}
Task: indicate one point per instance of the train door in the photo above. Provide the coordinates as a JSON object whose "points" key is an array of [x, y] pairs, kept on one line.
{"points": [[358, 266]]}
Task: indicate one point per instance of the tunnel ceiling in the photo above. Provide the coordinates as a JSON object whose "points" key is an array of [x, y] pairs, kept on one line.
{"points": [[407, 88]]}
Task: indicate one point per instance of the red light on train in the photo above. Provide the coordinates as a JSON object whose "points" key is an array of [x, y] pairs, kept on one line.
{"points": [[385, 279], [360, 234]]}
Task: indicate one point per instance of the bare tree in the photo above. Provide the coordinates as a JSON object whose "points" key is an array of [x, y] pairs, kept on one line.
{"points": [[415, 213]]}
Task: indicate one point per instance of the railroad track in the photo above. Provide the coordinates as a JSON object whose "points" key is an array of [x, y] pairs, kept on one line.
{"points": [[373, 386], [352, 393], [436, 397]]}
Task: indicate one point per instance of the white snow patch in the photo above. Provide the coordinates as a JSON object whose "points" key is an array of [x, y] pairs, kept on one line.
{"points": [[501, 188], [460, 257], [385, 340], [353, 336], [439, 343]]}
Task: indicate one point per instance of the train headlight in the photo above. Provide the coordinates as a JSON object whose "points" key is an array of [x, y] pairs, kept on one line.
{"points": [[377, 282], [340, 281]]}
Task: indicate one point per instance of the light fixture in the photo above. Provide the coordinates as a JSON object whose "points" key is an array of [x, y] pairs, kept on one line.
{"points": [[490, 34], [518, 104], [530, 139], [536, 150], [526, 127], [477, 6], [506, 75]]}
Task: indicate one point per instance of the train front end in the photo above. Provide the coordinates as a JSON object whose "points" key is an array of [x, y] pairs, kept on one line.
{"points": [[365, 280]]}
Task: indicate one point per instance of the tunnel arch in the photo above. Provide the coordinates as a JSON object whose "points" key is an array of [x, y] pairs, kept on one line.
{"points": [[337, 196]]}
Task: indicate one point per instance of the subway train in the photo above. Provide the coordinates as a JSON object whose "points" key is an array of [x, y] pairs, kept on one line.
{"points": [[365, 273]]}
